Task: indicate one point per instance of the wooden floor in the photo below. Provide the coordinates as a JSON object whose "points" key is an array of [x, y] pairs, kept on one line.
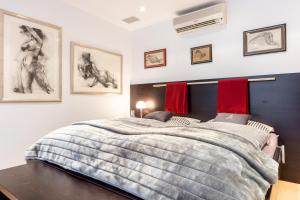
{"points": [[283, 190]]}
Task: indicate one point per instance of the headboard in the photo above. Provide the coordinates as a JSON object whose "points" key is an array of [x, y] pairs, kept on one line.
{"points": [[276, 103]]}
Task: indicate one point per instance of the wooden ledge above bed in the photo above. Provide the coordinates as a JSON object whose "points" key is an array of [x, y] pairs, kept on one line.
{"points": [[38, 180]]}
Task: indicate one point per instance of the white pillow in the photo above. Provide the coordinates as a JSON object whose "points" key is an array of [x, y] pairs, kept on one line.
{"points": [[270, 147], [181, 121], [256, 136], [261, 126], [232, 118]]}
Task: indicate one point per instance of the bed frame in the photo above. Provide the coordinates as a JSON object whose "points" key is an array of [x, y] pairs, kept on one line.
{"points": [[42, 180], [276, 103]]}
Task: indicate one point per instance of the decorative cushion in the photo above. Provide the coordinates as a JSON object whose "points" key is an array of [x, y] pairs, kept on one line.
{"points": [[260, 126], [256, 136], [181, 121], [162, 116], [232, 118]]}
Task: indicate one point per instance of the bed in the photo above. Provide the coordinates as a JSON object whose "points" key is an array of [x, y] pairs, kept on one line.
{"points": [[156, 161]]}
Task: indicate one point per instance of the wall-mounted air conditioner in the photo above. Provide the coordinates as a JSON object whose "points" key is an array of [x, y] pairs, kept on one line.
{"points": [[204, 18]]}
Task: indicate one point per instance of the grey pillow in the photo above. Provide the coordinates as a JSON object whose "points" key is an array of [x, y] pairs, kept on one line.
{"points": [[162, 116], [182, 121], [232, 118]]}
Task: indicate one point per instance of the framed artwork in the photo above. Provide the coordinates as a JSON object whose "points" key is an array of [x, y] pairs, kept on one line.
{"points": [[265, 40], [201, 54], [95, 71], [30, 59], [157, 58]]}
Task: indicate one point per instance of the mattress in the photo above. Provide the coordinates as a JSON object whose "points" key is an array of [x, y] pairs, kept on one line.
{"points": [[158, 162]]}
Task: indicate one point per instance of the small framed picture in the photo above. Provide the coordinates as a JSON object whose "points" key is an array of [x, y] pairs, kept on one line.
{"points": [[157, 58], [202, 54], [265, 40]]}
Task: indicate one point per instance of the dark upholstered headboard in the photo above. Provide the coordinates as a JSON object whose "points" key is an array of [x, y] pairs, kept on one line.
{"points": [[276, 103]]}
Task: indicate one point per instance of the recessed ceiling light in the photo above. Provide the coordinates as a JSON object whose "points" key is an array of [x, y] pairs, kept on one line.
{"points": [[142, 9]]}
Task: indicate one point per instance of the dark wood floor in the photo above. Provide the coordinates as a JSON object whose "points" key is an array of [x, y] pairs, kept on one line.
{"points": [[41, 181], [3, 197]]}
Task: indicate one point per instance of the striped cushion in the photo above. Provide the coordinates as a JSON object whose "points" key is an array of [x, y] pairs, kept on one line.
{"points": [[260, 126], [256, 136], [181, 121]]}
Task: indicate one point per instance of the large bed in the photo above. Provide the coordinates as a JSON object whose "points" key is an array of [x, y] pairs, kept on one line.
{"points": [[155, 160]]}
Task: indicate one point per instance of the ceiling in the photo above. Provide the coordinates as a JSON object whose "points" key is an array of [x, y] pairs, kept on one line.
{"points": [[114, 11]]}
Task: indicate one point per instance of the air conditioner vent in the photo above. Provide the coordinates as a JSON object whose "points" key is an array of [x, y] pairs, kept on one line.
{"points": [[197, 26], [130, 20], [204, 18]]}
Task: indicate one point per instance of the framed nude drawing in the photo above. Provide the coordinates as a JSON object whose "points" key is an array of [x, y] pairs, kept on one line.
{"points": [[265, 40], [94, 70], [30, 67]]}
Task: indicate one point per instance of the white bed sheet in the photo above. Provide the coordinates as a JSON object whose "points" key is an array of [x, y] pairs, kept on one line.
{"points": [[271, 146]]}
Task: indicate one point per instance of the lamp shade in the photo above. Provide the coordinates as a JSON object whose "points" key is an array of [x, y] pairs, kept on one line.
{"points": [[140, 105], [150, 104]]}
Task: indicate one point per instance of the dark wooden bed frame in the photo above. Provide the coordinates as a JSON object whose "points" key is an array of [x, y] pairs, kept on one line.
{"points": [[38, 180], [276, 103]]}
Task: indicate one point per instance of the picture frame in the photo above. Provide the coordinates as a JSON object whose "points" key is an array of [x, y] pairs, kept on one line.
{"points": [[95, 71], [30, 59], [201, 54], [156, 58], [265, 40]]}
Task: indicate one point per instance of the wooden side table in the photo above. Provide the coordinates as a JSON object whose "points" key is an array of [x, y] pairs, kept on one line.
{"points": [[283, 190], [40, 181]]}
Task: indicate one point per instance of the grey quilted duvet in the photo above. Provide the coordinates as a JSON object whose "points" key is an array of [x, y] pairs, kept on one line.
{"points": [[158, 162]]}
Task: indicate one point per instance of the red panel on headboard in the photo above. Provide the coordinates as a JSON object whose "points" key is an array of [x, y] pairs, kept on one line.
{"points": [[233, 96], [176, 99]]}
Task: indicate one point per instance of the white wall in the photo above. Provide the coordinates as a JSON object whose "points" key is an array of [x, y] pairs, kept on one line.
{"points": [[23, 123], [228, 60]]}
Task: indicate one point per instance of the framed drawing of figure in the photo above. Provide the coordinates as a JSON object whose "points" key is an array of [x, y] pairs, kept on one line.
{"points": [[156, 58], [201, 54], [30, 67], [95, 71], [265, 40]]}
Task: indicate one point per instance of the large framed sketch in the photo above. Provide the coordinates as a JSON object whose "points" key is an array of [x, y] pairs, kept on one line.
{"points": [[95, 71], [30, 59], [265, 40]]}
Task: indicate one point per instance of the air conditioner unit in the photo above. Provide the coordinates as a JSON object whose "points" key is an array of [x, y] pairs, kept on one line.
{"points": [[204, 18]]}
